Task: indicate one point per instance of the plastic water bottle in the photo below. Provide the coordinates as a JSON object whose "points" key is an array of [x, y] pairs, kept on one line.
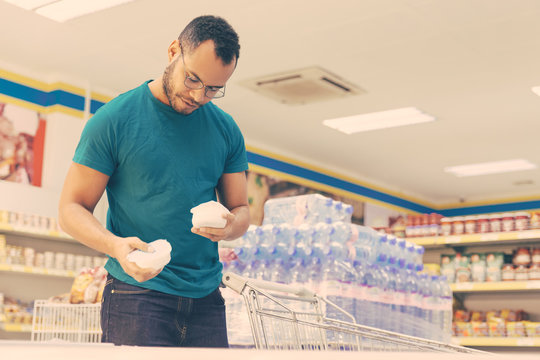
{"points": [[400, 309], [409, 256], [418, 257], [343, 212], [414, 300], [434, 305], [386, 293], [402, 254], [360, 304], [381, 250], [446, 307], [393, 250], [364, 242], [425, 306], [373, 308]]}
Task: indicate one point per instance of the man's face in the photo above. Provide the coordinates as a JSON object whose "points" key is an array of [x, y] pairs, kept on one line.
{"points": [[200, 64]]}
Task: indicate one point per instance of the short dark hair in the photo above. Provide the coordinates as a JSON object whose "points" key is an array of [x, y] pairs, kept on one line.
{"points": [[213, 28]]}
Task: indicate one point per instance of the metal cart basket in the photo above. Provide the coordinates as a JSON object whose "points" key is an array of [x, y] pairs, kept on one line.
{"points": [[284, 317], [77, 323]]}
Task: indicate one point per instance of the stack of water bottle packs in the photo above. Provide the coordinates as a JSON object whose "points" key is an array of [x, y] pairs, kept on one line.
{"points": [[309, 241]]}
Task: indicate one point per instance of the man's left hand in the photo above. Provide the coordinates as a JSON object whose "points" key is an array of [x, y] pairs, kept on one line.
{"points": [[216, 234]]}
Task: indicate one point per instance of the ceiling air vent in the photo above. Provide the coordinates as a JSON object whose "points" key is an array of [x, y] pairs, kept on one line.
{"points": [[303, 86]]}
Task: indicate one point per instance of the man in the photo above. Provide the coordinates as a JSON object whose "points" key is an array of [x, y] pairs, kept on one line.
{"points": [[159, 150]]}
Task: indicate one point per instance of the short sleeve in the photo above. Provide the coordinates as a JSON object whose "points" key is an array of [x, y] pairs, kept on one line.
{"points": [[96, 147], [237, 158]]}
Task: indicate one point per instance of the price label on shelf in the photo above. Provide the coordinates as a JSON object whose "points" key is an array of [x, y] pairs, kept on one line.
{"points": [[489, 237], [464, 286], [533, 284], [452, 239], [525, 342]]}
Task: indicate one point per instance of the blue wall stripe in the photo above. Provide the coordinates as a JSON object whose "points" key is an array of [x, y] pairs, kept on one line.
{"points": [[334, 182], [95, 105], [46, 98], [70, 100], [495, 208], [24, 92]]}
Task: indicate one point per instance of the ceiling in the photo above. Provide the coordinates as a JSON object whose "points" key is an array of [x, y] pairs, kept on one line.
{"points": [[469, 63]]}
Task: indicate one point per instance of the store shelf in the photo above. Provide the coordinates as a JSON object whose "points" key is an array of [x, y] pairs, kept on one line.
{"points": [[497, 341], [37, 270], [16, 328], [49, 235], [467, 287], [511, 236]]}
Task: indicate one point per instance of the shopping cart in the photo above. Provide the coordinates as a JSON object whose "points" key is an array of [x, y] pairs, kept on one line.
{"points": [[76, 323], [285, 317]]}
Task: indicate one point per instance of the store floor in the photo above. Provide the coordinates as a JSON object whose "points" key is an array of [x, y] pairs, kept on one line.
{"points": [[31, 350]]}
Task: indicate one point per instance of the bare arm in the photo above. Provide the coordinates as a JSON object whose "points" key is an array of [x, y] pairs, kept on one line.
{"points": [[232, 191], [82, 190]]}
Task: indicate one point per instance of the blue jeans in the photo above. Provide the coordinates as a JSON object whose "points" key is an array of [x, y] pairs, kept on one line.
{"points": [[131, 315]]}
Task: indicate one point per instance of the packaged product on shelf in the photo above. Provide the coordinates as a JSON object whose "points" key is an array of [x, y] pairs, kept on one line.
{"points": [[446, 226], [534, 220], [462, 329], [494, 263], [479, 329], [470, 224], [497, 327], [434, 224], [508, 273], [482, 224], [522, 221], [532, 328], [515, 329], [458, 225], [522, 256], [87, 286], [495, 223], [447, 267], [521, 273], [463, 270], [534, 272], [478, 267], [535, 258], [508, 222]]}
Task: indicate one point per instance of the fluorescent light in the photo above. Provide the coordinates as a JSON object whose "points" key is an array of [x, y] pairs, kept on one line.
{"points": [[379, 120], [490, 167], [63, 10], [536, 90], [29, 4]]}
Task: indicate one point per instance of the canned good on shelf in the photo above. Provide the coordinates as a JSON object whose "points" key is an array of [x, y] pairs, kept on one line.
{"points": [[470, 224], [508, 222], [495, 223], [522, 221], [458, 225]]}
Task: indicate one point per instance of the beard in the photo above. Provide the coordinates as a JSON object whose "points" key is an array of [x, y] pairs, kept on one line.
{"points": [[174, 99]]}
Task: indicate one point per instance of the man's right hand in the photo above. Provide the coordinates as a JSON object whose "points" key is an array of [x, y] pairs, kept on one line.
{"points": [[121, 249]]}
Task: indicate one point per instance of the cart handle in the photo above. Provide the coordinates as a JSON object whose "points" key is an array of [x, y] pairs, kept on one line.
{"points": [[238, 283]]}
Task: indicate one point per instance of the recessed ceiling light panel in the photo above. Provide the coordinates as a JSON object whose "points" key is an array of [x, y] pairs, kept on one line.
{"points": [[536, 90], [63, 10], [379, 120], [493, 167]]}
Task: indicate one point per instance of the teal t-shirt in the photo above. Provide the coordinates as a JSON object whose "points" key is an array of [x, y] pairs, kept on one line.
{"points": [[161, 164]]}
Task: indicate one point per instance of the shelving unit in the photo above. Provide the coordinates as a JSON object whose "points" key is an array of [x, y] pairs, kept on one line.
{"points": [[491, 295], [28, 283], [478, 239], [497, 341]]}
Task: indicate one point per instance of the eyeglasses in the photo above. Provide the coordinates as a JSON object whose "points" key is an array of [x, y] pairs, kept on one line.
{"points": [[195, 83]]}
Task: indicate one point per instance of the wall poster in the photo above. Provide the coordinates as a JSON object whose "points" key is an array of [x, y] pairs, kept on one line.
{"points": [[22, 139]]}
